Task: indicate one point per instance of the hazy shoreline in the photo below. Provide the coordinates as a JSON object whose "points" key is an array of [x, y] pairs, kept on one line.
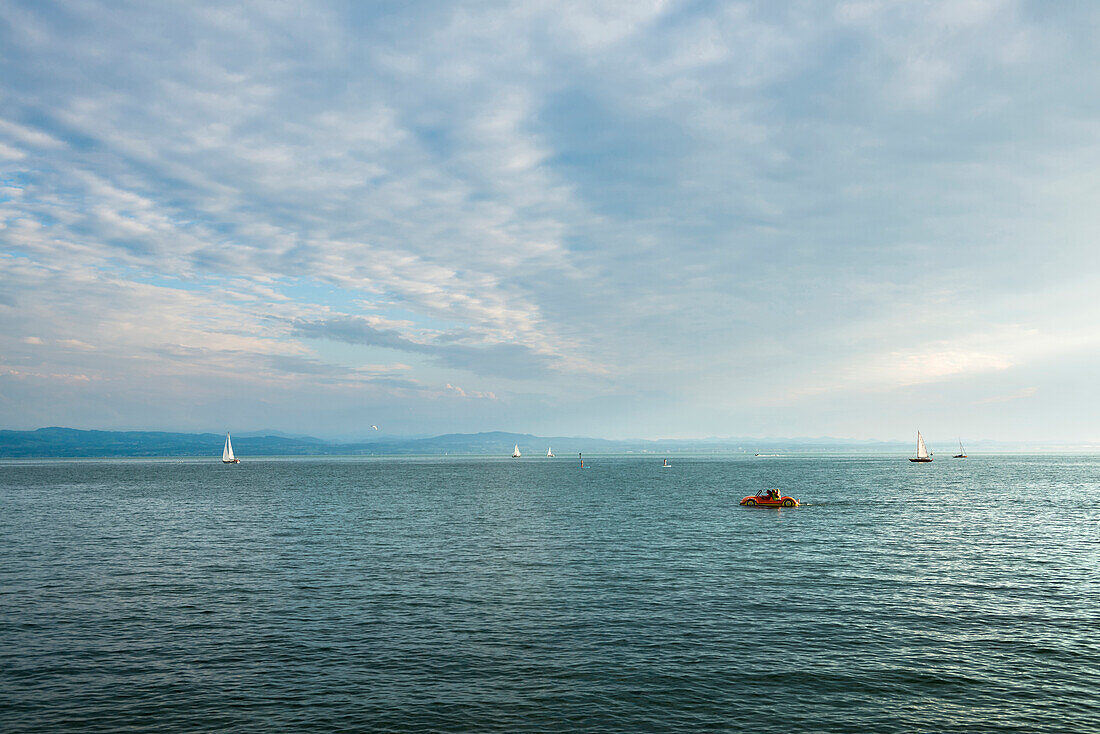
{"points": [[89, 444]]}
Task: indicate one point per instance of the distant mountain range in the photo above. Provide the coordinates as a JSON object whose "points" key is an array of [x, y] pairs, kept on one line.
{"points": [[69, 442]]}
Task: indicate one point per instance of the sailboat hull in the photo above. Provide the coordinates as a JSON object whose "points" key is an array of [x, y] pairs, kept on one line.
{"points": [[921, 461], [231, 461]]}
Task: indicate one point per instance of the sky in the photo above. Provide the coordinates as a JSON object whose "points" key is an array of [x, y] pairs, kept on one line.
{"points": [[637, 219]]}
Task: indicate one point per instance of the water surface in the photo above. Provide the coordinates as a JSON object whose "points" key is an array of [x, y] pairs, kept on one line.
{"points": [[528, 595]]}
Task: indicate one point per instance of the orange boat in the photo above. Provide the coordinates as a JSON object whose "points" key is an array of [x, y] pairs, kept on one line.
{"points": [[769, 498]]}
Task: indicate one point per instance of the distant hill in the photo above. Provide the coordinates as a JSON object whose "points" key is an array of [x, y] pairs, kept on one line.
{"points": [[270, 433], [73, 442], [69, 442]]}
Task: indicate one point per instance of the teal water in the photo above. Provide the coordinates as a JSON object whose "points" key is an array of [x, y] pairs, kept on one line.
{"points": [[528, 595]]}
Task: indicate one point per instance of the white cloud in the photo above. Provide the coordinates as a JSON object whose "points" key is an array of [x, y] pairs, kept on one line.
{"points": [[470, 393], [76, 344], [915, 367], [12, 154], [28, 135], [646, 198], [1026, 392]]}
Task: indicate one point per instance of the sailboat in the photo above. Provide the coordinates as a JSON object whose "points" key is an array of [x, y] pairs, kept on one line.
{"points": [[227, 452], [666, 464], [515, 452], [549, 453], [962, 452], [923, 454]]}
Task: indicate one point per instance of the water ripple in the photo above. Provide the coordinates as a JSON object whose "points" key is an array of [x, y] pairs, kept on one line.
{"points": [[422, 595]]}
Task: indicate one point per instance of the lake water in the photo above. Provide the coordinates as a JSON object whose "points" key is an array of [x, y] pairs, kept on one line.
{"points": [[529, 595]]}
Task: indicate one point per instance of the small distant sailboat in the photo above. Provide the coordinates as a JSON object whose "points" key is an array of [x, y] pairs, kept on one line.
{"points": [[515, 452], [923, 454], [549, 453], [227, 452], [962, 452], [665, 465]]}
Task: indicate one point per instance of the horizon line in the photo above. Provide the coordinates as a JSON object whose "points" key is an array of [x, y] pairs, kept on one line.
{"points": [[379, 438]]}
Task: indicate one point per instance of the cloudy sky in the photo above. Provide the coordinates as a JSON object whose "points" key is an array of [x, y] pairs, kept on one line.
{"points": [[635, 219]]}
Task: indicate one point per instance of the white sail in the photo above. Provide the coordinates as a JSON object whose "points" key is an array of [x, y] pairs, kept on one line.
{"points": [[227, 452], [549, 453], [515, 452], [922, 450]]}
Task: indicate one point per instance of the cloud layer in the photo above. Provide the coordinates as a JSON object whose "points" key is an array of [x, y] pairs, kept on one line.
{"points": [[624, 218]]}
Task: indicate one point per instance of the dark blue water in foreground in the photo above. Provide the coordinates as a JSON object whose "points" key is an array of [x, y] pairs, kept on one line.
{"points": [[455, 595]]}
